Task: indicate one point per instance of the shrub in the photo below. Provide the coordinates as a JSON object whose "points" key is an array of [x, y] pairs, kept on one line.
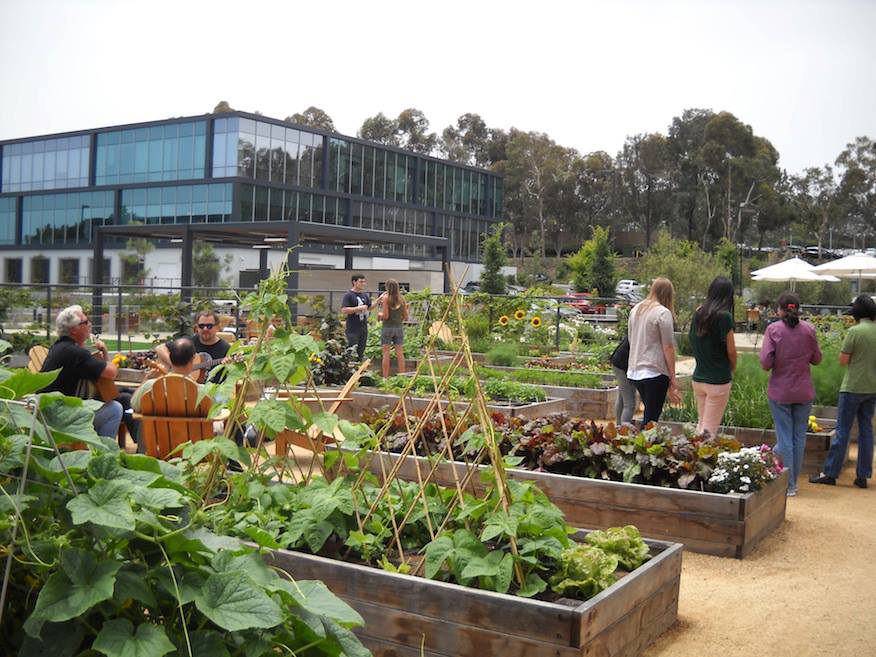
{"points": [[477, 327], [503, 354]]}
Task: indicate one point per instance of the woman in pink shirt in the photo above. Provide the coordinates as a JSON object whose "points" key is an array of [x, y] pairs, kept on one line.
{"points": [[790, 346]]}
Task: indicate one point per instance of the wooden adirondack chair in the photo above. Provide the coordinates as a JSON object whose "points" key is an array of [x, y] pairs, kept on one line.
{"points": [[285, 439], [37, 356], [170, 415]]}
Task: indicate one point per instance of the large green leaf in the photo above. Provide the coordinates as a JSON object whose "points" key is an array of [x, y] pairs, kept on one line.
{"points": [[436, 554], [12, 452], [315, 596], [131, 584], [81, 583], [326, 422], [55, 640], [207, 643], [269, 414], [105, 504], [157, 498], [25, 382], [117, 638], [71, 421], [234, 602], [282, 366], [199, 450]]}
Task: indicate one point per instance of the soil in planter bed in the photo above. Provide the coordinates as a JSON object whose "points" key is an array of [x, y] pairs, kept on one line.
{"points": [[808, 590]]}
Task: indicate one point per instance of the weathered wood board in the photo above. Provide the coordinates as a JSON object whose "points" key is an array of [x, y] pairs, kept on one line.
{"points": [[403, 612]]}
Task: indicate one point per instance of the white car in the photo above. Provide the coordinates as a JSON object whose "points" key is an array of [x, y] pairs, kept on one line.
{"points": [[627, 286]]}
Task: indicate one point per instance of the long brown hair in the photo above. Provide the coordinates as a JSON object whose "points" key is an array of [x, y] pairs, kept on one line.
{"points": [[663, 292], [393, 293]]}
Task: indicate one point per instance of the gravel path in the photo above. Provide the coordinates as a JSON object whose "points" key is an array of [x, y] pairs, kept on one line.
{"points": [[808, 590]]}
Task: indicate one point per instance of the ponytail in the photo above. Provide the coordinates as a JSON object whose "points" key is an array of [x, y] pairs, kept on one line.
{"points": [[789, 303]]}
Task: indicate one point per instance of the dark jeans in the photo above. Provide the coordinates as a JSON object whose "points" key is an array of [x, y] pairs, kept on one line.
{"points": [[653, 393], [852, 406], [358, 340]]}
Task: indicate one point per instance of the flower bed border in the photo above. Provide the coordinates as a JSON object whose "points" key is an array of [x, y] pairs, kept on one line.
{"points": [[725, 525], [401, 611]]}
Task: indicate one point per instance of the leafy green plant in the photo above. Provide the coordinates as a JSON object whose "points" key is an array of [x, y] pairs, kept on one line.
{"points": [[623, 542], [553, 378], [584, 571], [512, 391], [505, 355], [112, 555]]}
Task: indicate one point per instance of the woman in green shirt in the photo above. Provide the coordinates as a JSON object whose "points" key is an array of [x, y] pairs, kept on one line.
{"points": [[714, 346]]}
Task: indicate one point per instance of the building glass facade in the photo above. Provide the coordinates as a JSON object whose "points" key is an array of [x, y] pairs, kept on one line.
{"points": [[175, 151], [177, 204], [237, 167], [7, 220], [46, 164], [64, 219]]}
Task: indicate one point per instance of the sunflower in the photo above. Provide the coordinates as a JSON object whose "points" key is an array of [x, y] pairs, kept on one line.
{"points": [[535, 321], [503, 320], [519, 314]]}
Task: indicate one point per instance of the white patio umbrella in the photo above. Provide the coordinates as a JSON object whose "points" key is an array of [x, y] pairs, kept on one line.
{"points": [[857, 266], [790, 271]]}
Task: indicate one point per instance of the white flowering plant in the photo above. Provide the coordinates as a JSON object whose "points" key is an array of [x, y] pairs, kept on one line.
{"points": [[744, 471]]}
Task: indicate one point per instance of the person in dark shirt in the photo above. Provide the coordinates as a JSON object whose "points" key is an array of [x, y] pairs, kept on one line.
{"points": [[206, 340], [356, 305], [79, 367]]}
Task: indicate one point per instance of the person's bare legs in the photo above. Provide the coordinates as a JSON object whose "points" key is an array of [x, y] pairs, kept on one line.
{"points": [[400, 358], [385, 363]]}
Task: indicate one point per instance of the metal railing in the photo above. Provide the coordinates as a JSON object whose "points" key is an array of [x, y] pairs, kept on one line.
{"points": [[158, 309]]}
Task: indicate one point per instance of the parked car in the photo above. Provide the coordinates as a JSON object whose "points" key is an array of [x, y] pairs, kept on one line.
{"points": [[627, 286], [582, 302]]}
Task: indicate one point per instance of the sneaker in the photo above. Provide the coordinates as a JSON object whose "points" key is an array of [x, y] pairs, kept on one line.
{"points": [[822, 478], [792, 492], [860, 482]]}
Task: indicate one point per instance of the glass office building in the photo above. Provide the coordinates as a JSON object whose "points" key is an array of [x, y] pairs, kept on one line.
{"points": [[235, 167]]}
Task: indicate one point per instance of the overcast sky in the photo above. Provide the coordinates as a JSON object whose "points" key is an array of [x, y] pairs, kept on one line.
{"points": [[800, 72]]}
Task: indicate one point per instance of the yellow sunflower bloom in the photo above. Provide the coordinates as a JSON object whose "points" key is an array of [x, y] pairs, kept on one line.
{"points": [[519, 314], [535, 321], [503, 320]]}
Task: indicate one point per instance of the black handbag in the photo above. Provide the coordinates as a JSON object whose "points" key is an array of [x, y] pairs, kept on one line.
{"points": [[620, 357]]}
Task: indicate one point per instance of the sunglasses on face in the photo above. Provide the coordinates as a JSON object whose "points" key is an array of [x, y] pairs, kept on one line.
{"points": [[84, 322], [206, 326]]}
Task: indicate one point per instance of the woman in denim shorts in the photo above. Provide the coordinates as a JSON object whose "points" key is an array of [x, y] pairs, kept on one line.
{"points": [[393, 313]]}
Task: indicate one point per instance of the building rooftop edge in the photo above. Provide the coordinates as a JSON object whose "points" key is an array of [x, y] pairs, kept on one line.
{"points": [[246, 115]]}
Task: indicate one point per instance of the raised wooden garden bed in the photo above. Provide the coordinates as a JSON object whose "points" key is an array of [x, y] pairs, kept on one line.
{"points": [[403, 613], [711, 523], [365, 399], [817, 444], [826, 417]]}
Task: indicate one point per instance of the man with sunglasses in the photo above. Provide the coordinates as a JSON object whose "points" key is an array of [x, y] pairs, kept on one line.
{"points": [[79, 367], [206, 339]]}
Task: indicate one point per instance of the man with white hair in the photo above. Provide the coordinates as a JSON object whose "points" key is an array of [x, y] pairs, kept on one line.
{"points": [[79, 366]]}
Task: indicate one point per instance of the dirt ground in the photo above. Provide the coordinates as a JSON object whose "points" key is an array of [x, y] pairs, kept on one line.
{"points": [[808, 590]]}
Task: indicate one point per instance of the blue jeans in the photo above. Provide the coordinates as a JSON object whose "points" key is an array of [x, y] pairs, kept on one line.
{"points": [[107, 419], [852, 405], [791, 422]]}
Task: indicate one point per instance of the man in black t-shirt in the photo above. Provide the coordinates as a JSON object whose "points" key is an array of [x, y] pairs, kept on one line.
{"points": [[206, 340], [79, 367], [355, 305]]}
